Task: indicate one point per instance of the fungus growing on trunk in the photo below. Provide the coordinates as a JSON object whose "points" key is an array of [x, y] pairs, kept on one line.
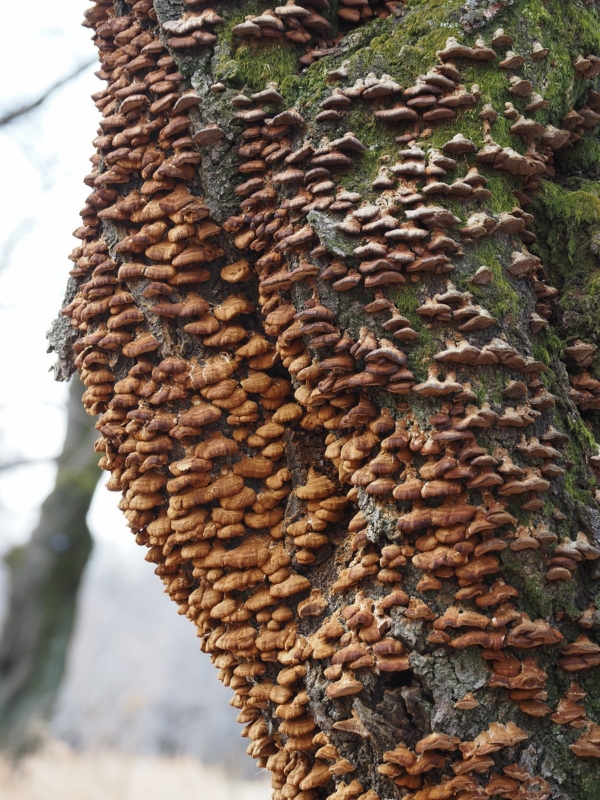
{"points": [[340, 473]]}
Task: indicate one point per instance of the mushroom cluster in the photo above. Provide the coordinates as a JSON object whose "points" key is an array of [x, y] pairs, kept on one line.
{"points": [[315, 499], [291, 20], [358, 12], [193, 30], [585, 392], [302, 23]]}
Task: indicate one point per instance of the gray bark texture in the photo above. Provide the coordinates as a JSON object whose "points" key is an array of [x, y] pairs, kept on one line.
{"points": [[45, 574], [335, 302]]}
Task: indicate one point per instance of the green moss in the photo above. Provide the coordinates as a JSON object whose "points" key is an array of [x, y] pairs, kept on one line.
{"points": [[574, 478], [553, 343], [568, 229], [314, 81], [565, 599], [488, 385], [583, 157], [591, 788], [421, 352], [568, 29], [501, 187], [499, 296], [406, 50], [541, 354], [540, 599], [413, 44], [536, 593], [481, 392], [380, 144], [525, 571], [251, 63], [494, 87], [522, 517], [581, 310], [567, 211], [581, 434], [265, 61], [407, 301], [350, 311]]}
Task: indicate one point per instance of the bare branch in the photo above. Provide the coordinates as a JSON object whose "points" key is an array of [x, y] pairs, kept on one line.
{"points": [[23, 462], [10, 116]]}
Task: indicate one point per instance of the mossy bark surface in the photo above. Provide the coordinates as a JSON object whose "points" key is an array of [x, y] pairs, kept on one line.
{"points": [[355, 422]]}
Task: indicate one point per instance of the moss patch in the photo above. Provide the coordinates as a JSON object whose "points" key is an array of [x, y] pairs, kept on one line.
{"points": [[488, 385], [499, 296], [568, 228], [568, 213], [251, 63], [421, 352], [568, 29]]}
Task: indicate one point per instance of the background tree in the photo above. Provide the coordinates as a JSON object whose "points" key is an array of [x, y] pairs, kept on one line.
{"points": [[335, 303], [45, 574]]}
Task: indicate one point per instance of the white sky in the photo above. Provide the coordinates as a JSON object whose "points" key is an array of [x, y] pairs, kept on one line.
{"points": [[43, 159]]}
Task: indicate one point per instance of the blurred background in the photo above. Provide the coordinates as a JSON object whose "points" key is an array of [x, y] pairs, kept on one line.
{"points": [[104, 693]]}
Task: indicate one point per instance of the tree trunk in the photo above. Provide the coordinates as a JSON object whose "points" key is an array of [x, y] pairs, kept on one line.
{"points": [[347, 381], [45, 577]]}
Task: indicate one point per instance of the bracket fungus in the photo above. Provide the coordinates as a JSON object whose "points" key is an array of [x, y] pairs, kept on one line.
{"points": [[339, 460]]}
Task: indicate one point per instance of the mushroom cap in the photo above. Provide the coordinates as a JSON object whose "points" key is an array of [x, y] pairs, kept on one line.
{"points": [[467, 702]]}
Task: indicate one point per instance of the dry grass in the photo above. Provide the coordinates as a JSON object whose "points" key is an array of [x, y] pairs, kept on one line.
{"points": [[59, 773]]}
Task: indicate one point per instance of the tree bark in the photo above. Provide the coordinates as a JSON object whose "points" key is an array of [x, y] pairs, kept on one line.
{"points": [[45, 577], [348, 382]]}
